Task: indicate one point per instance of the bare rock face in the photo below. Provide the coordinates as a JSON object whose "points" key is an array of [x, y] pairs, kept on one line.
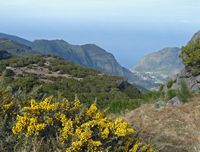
{"points": [[193, 82], [174, 102], [198, 78]]}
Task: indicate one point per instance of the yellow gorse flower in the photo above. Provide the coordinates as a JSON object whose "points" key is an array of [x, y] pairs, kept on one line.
{"points": [[8, 105], [105, 133], [135, 148], [122, 128], [92, 110], [49, 120], [77, 128], [30, 124]]}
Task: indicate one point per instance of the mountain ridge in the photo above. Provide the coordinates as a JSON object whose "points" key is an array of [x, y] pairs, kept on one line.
{"points": [[16, 38], [88, 55]]}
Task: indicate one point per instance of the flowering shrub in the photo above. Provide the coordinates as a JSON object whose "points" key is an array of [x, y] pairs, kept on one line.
{"points": [[75, 127]]}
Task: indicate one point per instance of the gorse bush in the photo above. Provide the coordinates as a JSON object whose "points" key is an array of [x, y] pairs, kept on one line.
{"points": [[50, 125], [9, 108]]}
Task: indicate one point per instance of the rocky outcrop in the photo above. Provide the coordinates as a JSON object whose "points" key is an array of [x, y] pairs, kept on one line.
{"points": [[174, 102], [193, 82], [195, 37]]}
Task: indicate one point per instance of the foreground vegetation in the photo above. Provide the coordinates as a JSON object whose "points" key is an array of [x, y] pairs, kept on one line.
{"points": [[60, 125]]}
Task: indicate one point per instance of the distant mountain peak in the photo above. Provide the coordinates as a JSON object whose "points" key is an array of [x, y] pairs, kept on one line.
{"points": [[195, 36], [16, 39], [14, 48]]}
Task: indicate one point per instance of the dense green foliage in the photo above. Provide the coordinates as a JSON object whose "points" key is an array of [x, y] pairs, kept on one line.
{"points": [[190, 55]]}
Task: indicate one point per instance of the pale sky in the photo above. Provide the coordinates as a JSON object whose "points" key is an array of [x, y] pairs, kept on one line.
{"points": [[127, 28]]}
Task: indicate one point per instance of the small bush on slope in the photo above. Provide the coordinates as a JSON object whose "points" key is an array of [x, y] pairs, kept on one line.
{"points": [[170, 83], [50, 125], [184, 93], [171, 93]]}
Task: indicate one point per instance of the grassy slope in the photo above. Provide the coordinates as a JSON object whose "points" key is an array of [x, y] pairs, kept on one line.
{"points": [[171, 128]]}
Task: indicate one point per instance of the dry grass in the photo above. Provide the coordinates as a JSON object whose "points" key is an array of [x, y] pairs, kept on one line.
{"points": [[171, 128]]}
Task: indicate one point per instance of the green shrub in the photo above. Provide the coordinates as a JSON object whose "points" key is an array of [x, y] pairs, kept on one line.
{"points": [[2, 68], [118, 106], [8, 73], [151, 96], [170, 83], [171, 93], [184, 92], [161, 87]]}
